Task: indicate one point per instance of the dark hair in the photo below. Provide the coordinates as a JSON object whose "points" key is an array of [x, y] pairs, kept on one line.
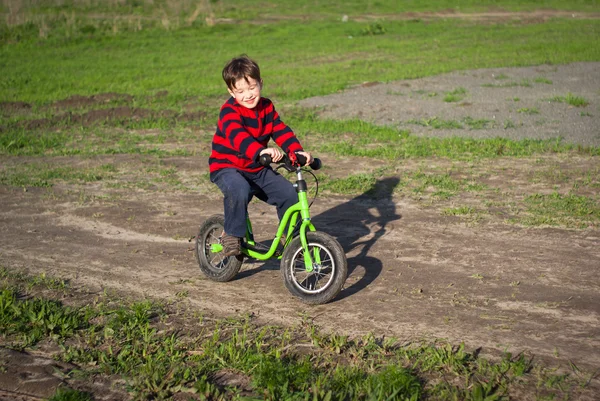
{"points": [[238, 68]]}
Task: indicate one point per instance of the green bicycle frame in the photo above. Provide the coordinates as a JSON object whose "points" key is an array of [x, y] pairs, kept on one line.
{"points": [[289, 220]]}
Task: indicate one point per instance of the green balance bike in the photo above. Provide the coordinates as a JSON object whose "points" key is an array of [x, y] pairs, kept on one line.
{"points": [[313, 264]]}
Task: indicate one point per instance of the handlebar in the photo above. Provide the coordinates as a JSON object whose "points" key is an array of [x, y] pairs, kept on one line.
{"points": [[265, 160]]}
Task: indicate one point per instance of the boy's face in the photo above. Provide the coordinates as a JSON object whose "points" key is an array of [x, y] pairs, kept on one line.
{"points": [[246, 92]]}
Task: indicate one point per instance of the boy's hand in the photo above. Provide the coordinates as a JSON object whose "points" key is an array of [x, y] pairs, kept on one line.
{"points": [[275, 154], [309, 158]]}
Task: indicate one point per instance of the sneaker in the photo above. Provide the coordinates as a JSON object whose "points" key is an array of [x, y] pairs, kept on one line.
{"points": [[231, 245]]}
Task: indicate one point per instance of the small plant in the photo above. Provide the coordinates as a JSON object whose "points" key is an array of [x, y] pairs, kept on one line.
{"points": [[570, 210], [456, 95], [527, 110], [68, 394], [352, 184], [570, 99], [542, 80], [479, 123], [437, 123], [524, 83], [459, 211], [373, 29]]}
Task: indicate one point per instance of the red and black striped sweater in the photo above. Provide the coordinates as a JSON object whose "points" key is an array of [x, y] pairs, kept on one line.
{"points": [[243, 133]]}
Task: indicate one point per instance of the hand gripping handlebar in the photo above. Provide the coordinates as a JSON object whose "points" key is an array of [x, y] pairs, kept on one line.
{"points": [[265, 160]]}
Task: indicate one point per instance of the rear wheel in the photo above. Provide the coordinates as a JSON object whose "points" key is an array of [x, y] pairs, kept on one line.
{"points": [[328, 272], [208, 251]]}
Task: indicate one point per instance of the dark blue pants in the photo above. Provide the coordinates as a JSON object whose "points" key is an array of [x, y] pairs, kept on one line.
{"points": [[238, 187]]}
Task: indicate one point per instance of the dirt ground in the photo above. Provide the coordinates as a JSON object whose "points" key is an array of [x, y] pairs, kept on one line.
{"points": [[414, 273]]}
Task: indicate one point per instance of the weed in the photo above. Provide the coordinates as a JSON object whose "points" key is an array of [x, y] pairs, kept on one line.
{"points": [[456, 95], [570, 99], [527, 110], [480, 123], [459, 211], [45, 175], [124, 340], [373, 29], [68, 394], [524, 83], [569, 210], [437, 123], [353, 184]]}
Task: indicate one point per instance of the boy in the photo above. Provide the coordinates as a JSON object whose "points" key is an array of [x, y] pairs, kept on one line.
{"points": [[246, 124]]}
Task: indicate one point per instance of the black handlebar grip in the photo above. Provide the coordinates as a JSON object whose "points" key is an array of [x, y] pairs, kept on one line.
{"points": [[265, 160], [316, 164]]}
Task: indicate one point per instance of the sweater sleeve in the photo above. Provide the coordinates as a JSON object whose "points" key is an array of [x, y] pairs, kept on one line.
{"points": [[282, 134]]}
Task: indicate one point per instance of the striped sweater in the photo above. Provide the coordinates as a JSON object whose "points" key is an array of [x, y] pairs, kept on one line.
{"points": [[243, 133]]}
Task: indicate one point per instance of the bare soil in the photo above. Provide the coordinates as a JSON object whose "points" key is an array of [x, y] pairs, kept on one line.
{"points": [[414, 273]]}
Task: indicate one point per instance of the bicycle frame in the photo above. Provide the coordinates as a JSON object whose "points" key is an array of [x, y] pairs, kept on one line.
{"points": [[289, 220]]}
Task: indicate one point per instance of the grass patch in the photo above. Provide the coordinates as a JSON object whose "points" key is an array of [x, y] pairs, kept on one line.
{"points": [[524, 83], [142, 63], [573, 100], [45, 175], [528, 110], [542, 80], [437, 123], [456, 95], [570, 210], [369, 140], [159, 352], [458, 211], [351, 185]]}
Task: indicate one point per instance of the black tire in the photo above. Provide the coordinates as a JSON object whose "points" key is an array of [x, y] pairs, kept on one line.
{"points": [[212, 264], [326, 281]]}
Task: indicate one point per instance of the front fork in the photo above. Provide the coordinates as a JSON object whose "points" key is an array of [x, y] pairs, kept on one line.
{"points": [[315, 258]]}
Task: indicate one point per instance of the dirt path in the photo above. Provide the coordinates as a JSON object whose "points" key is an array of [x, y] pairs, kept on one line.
{"points": [[414, 273]]}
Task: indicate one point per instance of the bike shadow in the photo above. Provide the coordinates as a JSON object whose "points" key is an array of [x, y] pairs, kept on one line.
{"points": [[360, 223]]}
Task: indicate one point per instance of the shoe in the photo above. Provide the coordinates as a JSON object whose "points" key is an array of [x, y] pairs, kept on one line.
{"points": [[231, 245]]}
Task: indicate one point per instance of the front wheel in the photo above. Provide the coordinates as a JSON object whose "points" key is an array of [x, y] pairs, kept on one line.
{"points": [[324, 280], [208, 251]]}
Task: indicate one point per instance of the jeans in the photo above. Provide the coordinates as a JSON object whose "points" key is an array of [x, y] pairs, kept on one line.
{"points": [[238, 187]]}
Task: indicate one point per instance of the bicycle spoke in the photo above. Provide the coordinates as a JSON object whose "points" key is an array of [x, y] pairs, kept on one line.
{"points": [[321, 275]]}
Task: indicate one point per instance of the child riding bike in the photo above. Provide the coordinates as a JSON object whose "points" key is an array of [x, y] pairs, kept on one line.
{"points": [[246, 123]]}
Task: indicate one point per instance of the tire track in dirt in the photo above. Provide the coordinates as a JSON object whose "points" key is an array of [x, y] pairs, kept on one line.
{"points": [[411, 275]]}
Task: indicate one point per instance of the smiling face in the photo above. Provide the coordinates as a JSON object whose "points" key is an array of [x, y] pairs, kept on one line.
{"points": [[246, 91]]}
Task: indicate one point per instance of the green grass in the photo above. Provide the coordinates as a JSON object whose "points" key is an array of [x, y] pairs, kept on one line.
{"points": [[187, 62], [73, 17], [456, 95], [44, 175], [571, 99], [542, 80], [168, 80], [570, 210], [528, 110], [437, 123], [368, 140], [158, 352], [67, 394], [524, 83], [350, 185]]}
